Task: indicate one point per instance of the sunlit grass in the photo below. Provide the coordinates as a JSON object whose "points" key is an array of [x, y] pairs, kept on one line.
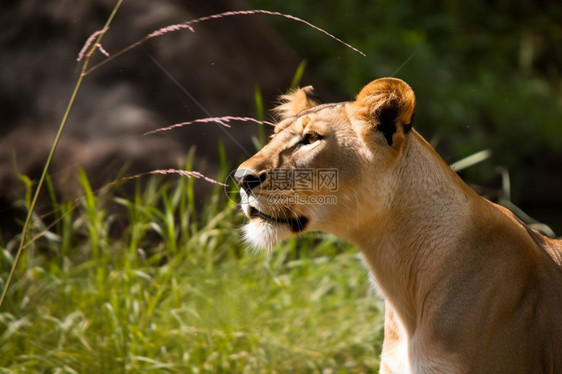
{"points": [[146, 284]]}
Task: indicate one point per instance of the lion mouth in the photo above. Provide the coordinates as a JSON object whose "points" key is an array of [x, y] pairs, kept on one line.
{"points": [[295, 224]]}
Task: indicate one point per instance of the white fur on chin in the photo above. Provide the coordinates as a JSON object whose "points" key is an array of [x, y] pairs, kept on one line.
{"points": [[264, 235]]}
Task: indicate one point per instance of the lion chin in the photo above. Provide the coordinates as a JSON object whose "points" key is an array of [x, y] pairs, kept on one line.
{"points": [[261, 234], [265, 230]]}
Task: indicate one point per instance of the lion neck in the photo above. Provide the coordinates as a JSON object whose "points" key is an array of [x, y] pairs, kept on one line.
{"points": [[426, 212]]}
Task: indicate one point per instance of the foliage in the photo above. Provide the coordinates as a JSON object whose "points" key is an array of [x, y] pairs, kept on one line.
{"points": [[146, 284]]}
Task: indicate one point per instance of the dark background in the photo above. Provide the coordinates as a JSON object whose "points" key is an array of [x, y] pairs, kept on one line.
{"points": [[487, 75]]}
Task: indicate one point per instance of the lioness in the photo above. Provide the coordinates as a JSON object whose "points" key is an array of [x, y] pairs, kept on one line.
{"points": [[468, 287]]}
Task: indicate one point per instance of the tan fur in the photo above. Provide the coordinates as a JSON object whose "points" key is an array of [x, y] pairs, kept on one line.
{"points": [[468, 287], [296, 101]]}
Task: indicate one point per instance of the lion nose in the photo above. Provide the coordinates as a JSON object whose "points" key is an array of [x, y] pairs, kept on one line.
{"points": [[248, 179]]}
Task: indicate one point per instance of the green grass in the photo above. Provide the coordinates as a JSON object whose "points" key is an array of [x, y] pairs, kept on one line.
{"points": [[148, 284]]}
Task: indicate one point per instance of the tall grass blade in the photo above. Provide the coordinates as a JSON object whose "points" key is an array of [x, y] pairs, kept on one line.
{"points": [[261, 138], [58, 136], [471, 160], [298, 74], [223, 121], [188, 26]]}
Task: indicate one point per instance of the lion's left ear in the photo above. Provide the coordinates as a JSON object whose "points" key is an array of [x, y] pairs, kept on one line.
{"points": [[297, 101], [389, 103]]}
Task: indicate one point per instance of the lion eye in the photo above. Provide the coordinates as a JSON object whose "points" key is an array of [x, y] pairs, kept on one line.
{"points": [[311, 138]]}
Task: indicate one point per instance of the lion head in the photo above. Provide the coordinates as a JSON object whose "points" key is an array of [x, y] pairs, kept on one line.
{"points": [[327, 166]]}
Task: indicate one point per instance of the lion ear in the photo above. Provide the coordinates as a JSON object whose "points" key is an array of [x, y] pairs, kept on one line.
{"points": [[296, 101], [389, 103]]}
